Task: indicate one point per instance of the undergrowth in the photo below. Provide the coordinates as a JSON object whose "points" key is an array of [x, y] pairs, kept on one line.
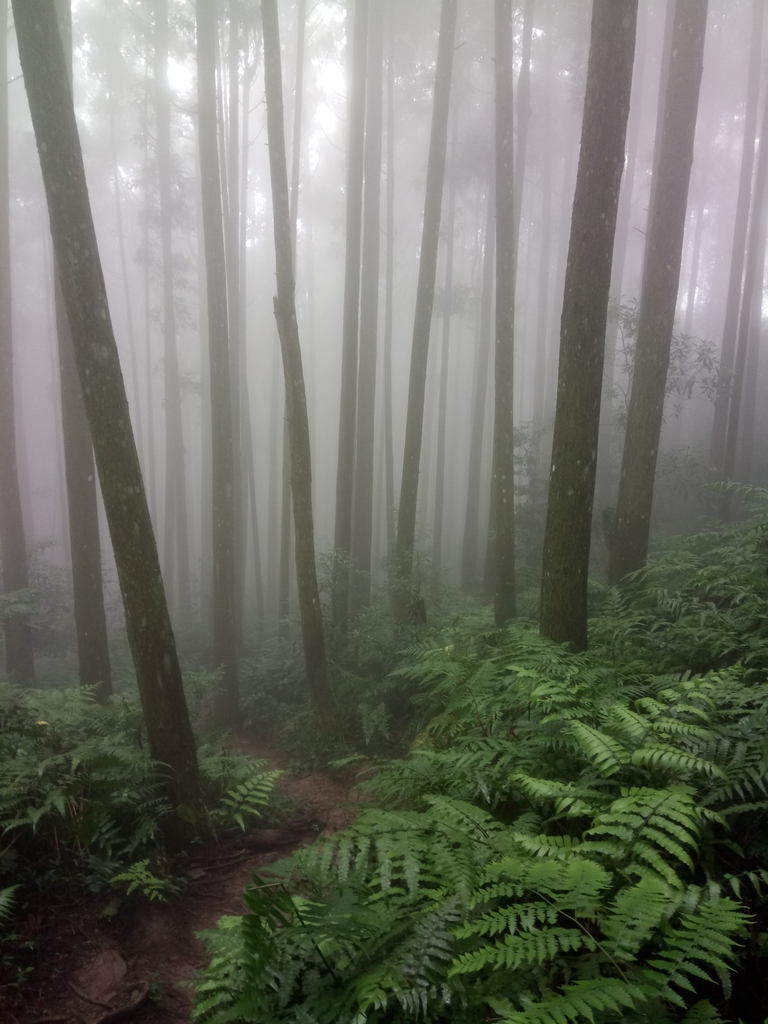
{"points": [[80, 798], [571, 837]]}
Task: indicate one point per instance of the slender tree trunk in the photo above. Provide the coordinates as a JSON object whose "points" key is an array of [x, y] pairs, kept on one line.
{"points": [[234, 307], [362, 527], [152, 470], [733, 301], [223, 513], [248, 469], [752, 371], [389, 468], [298, 425], [176, 542], [542, 309], [469, 554], [523, 117], [74, 238], [666, 54], [582, 331], [85, 546], [503, 482], [349, 343], [425, 296], [19, 652], [124, 274], [753, 281], [658, 301], [693, 280], [286, 519], [442, 409]]}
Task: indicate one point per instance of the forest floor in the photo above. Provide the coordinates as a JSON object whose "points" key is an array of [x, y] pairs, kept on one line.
{"points": [[91, 966]]}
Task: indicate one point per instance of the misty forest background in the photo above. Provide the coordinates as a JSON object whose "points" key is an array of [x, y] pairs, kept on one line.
{"points": [[384, 380]]}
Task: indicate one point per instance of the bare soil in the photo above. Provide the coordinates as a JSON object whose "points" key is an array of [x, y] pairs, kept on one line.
{"points": [[136, 964]]}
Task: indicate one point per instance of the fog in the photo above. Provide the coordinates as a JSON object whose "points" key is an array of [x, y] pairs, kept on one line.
{"points": [[116, 104]]}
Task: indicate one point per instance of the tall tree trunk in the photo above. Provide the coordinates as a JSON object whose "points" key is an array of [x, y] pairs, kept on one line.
{"points": [[176, 539], [503, 481], [248, 469], [286, 523], [523, 117], [425, 297], [442, 408], [362, 527], [753, 283], [606, 473], [349, 344], [234, 305], [310, 611], [223, 513], [582, 330], [746, 440], [736, 272], [19, 652], [658, 300], [85, 546], [151, 463], [469, 552], [124, 275], [544, 232], [74, 238], [389, 469]]}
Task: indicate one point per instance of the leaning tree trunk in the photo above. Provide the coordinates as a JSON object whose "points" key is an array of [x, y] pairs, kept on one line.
{"points": [[658, 297], [74, 238], [315, 662], [503, 481], [362, 526], [222, 479], [425, 297], [19, 653], [582, 329], [736, 273], [82, 505], [348, 400]]}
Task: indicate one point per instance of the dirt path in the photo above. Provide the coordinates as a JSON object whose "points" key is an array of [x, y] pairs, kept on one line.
{"points": [[90, 965]]}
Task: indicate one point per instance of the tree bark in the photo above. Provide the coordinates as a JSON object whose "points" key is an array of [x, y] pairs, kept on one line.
{"points": [[658, 299], [313, 637], [147, 620], [503, 481], [19, 652], [349, 345], [362, 526], [223, 513], [582, 330], [733, 301], [425, 297]]}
